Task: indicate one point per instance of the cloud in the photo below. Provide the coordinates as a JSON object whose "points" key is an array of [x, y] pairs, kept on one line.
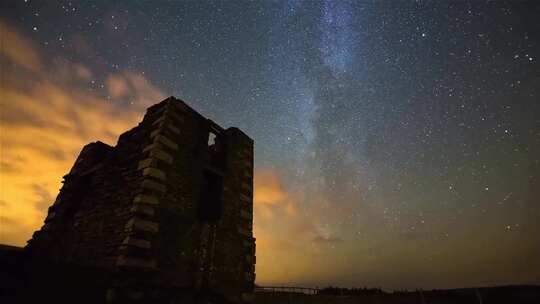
{"points": [[270, 196], [132, 88], [67, 71], [283, 229], [268, 188], [83, 72], [49, 113], [18, 49], [117, 86]]}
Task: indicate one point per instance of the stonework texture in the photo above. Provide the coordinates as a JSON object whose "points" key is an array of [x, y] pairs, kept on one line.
{"points": [[169, 208]]}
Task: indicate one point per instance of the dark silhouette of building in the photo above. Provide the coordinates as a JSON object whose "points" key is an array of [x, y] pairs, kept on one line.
{"points": [[164, 214]]}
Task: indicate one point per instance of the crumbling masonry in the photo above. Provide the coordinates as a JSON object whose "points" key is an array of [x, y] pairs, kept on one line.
{"points": [[168, 208]]}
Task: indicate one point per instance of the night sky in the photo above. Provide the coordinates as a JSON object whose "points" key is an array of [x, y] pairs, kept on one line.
{"points": [[397, 143]]}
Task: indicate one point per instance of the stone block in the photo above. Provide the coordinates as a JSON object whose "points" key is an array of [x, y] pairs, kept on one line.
{"points": [[166, 142], [248, 297], [245, 214], [146, 199], [249, 276], [150, 184], [149, 162], [246, 186], [136, 295], [247, 163], [156, 132], [134, 242], [159, 121], [142, 209], [151, 147], [161, 155], [244, 232], [173, 129], [178, 118], [136, 224], [136, 262], [153, 172]]}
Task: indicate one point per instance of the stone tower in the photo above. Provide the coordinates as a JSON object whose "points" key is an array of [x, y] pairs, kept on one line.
{"points": [[167, 210]]}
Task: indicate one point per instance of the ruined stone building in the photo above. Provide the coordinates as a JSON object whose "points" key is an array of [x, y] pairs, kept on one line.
{"points": [[168, 209]]}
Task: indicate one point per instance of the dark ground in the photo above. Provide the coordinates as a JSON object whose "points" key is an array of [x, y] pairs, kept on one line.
{"points": [[487, 295], [18, 284]]}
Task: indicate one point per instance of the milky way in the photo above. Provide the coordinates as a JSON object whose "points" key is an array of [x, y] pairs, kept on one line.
{"points": [[397, 142]]}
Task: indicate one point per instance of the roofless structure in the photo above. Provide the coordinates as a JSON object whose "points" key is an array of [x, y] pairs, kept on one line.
{"points": [[165, 213]]}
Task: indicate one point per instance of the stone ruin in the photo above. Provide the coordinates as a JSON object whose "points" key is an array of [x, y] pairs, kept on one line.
{"points": [[163, 216]]}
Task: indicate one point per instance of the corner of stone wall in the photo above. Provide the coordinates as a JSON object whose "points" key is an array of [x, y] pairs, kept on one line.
{"points": [[43, 244], [138, 250]]}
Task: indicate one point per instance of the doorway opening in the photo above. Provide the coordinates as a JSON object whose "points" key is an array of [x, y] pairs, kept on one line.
{"points": [[211, 203]]}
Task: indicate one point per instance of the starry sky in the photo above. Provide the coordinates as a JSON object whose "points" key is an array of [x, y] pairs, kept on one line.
{"points": [[397, 143]]}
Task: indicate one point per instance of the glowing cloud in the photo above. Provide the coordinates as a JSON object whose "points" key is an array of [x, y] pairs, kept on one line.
{"points": [[48, 115], [268, 188], [270, 196], [17, 48]]}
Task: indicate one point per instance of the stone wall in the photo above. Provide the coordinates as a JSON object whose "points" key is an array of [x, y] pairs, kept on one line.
{"points": [[168, 209]]}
